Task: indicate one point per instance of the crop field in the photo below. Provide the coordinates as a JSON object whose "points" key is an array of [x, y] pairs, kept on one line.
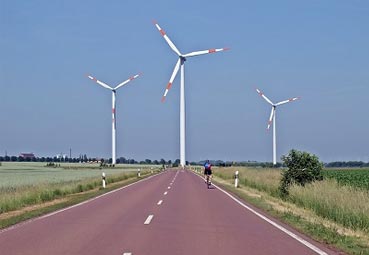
{"points": [[13, 175], [358, 178], [25, 184]]}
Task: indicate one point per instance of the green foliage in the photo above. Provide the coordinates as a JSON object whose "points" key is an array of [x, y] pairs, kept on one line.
{"points": [[357, 178], [302, 168]]}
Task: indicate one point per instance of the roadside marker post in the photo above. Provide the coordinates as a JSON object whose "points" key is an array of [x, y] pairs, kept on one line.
{"points": [[139, 172], [236, 179], [103, 180]]}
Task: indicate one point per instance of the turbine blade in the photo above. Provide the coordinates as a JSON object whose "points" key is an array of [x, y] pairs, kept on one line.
{"points": [[287, 101], [126, 81], [99, 82], [166, 38], [263, 96], [175, 71], [197, 53], [271, 117]]}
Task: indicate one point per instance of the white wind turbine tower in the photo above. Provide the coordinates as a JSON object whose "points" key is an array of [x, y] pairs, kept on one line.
{"points": [[180, 63], [114, 121], [272, 117]]}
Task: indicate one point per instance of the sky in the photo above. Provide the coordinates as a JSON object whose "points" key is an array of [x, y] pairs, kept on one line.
{"points": [[318, 50]]}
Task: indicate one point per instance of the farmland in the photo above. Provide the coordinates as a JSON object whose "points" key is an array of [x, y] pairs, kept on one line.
{"points": [[13, 175], [25, 184], [358, 178]]}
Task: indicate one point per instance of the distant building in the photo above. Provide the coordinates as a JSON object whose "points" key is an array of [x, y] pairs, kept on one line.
{"points": [[27, 155]]}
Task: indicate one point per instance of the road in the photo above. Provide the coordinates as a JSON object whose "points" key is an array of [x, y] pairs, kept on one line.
{"points": [[170, 213]]}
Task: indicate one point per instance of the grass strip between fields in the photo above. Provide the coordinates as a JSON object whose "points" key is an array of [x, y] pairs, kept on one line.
{"points": [[322, 230], [27, 213]]}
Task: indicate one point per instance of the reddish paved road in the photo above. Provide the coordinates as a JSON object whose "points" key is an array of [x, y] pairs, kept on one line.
{"points": [[190, 220]]}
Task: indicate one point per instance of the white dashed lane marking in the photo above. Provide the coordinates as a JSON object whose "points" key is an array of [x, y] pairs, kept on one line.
{"points": [[166, 192], [148, 220], [161, 201]]}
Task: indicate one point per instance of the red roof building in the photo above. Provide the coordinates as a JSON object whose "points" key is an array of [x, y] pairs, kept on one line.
{"points": [[27, 155]]}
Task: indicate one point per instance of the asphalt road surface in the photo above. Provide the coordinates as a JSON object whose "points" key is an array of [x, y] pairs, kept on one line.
{"points": [[170, 213]]}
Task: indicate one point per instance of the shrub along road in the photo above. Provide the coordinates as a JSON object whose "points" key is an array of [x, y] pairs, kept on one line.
{"points": [[170, 213]]}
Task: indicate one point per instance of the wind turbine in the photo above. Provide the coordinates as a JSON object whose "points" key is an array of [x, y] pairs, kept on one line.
{"points": [[180, 63], [272, 117], [114, 91]]}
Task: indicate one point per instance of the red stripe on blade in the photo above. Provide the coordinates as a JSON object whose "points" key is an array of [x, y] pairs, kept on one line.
{"points": [[169, 85], [162, 32], [211, 50]]}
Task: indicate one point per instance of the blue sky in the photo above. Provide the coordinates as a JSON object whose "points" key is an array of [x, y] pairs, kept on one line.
{"points": [[314, 49]]}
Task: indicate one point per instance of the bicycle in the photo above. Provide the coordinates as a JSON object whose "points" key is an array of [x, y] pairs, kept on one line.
{"points": [[208, 180]]}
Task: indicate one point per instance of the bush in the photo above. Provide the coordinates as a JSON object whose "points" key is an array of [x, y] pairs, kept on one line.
{"points": [[303, 168]]}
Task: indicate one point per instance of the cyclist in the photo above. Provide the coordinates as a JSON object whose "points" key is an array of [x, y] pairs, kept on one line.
{"points": [[207, 171]]}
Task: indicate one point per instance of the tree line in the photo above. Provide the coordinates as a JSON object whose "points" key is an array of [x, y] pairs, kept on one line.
{"points": [[174, 163], [347, 164]]}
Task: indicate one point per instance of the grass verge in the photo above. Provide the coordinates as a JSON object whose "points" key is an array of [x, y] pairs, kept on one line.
{"points": [[81, 194]]}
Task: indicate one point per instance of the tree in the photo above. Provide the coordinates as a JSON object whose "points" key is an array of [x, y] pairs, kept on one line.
{"points": [[302, 168], [176, 163], [162, 161], [122, 160]]}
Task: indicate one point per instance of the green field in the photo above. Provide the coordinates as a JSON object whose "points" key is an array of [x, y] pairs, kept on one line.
{"points": [[25, 184], [358, 178], [18, 174]]}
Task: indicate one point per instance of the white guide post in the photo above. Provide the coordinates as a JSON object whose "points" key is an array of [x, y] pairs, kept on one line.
{"points": [[182, 119], [103, 180], [236, 179], [113, 140], [274, 141]]}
